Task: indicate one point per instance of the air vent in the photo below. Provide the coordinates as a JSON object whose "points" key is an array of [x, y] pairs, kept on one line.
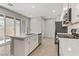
{"points": [[10, 4]]}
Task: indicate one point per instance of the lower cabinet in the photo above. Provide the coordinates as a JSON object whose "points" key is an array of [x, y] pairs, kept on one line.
{"points": [[33, 43], [18, 47], [27, 46]]}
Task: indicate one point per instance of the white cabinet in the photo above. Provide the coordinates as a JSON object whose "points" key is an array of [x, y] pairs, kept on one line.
{"points": [[75, 13], [27, 44], [19, 47], [33, 43], [68, 47]]}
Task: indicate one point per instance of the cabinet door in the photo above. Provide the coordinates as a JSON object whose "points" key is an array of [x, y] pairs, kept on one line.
{"points": [[31, 44], [75, 13], [27, 46], [35, 41], [19, 47]]}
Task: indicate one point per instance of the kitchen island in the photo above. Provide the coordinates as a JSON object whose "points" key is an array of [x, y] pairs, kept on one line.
{"points": [[23, 45]]}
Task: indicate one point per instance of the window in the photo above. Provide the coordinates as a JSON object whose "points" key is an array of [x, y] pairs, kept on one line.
{"points": [[1, 27], [9, 26]]}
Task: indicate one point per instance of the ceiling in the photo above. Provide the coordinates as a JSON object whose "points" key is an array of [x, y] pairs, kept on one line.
{"points": [[36, 9]]}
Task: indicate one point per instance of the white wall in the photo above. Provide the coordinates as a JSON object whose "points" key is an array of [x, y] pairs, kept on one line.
{"points": [[36, 25], [50, 28]]}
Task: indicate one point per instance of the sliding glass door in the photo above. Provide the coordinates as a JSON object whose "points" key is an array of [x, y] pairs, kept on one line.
{"points": [[9, 26], [1, 28], [17, 27]]}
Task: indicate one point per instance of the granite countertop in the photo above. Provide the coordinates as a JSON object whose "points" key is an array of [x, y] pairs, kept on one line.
{"points": [[66, 35]]}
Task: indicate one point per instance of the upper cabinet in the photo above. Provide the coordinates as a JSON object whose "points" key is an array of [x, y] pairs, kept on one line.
{"points": [[70, 15], [67, 16], [75, 13]]}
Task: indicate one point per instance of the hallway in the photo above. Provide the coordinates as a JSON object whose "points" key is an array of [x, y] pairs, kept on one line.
{"points": [[46, 49]]}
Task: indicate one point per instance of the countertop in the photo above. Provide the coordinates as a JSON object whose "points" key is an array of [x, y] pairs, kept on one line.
{"points": [[23, 36], [66, 35]]}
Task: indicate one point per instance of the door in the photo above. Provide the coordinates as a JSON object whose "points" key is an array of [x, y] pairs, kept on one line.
{"points": [[17, 27], [1, 28], [9, 26]]}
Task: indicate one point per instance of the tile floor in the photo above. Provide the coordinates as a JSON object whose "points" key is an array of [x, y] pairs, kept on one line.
{"points": [[48, 48]]}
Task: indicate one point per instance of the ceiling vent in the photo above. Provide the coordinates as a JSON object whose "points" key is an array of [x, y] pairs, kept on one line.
{"points": [[10, 4]]}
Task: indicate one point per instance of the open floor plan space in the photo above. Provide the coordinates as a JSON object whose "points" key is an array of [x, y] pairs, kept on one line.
{"points": [[39, 29]]}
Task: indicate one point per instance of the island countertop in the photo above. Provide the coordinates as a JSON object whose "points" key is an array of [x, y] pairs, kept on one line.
{"points": [[23, 36]]}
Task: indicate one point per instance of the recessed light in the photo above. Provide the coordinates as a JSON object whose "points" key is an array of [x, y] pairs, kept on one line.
{"points": [[65, 8], [53, 11], [69, 49], [33, 6]]}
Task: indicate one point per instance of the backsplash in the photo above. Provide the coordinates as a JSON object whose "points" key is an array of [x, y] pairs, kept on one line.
{"points": [[73, 26]]}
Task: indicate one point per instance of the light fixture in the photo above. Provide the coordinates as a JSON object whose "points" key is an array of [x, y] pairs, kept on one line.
{"points": [[33, 6], [69, 49], [65, 8]]}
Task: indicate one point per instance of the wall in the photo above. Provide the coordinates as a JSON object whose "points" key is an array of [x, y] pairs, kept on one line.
{"points": [[46, 27], [35, 25], [50, 28], [43, 26], [7, 12]]}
